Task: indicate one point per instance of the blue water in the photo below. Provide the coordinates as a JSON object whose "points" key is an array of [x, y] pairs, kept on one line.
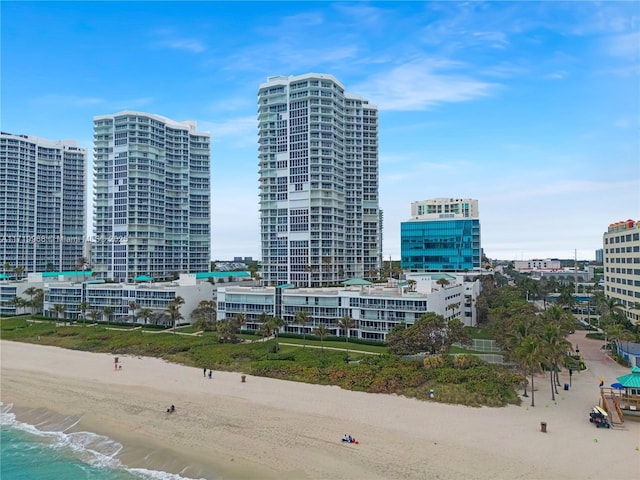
{"points": [[28, 452]]}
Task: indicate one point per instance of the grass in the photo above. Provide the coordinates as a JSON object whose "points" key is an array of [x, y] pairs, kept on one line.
{"points": [[466, 382]]}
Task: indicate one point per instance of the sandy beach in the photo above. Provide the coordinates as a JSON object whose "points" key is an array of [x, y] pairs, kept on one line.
{"points": [[268, 429]]}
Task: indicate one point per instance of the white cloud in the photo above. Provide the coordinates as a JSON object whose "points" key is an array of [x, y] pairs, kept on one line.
{"points": [[419, 85], [188, 44], [559, 75]]}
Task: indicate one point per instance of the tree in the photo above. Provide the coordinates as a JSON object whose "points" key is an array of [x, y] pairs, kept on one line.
{"points": [[240, 320], [203, 323], [554, 349], [530, 357], [19, 269], [412, 285], [207, 309], [107, 312], [173, 310], [59, 309], [83, 307], [133, 306], [276, 324], [265, 330], [566, 298], [346, 323], [94, 314], [145, 314], [226, 331], [309, 269], [322, 332], [431, 333], [19, 303], [31, 291], [7, 267], [443, 282], [302, 319]]}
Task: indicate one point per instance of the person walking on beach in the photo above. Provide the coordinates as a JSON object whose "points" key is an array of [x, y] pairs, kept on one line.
{"points": [[204, 372], [210, 375]]}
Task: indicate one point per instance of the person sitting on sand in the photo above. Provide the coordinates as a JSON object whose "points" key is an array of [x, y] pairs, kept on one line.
{"points": [[345, 438], [171, 409]]}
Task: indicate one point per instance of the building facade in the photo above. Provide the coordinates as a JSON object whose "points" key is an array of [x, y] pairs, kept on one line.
{"points": [[537, 264], [318, 164], [152, 197], [42, 204], [443, 235], [375, 309], [621, 245]]}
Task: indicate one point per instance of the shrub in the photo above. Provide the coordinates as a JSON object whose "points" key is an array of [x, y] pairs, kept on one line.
{"points": [[433, 361]]}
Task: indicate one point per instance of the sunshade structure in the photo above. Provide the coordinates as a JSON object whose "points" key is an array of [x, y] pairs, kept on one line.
{"points": [[357, 281], [143, 278], [3, 276], [631, 380]]}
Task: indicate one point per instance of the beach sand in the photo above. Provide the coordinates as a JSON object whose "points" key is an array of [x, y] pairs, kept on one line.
{"points": [[268, 429]]}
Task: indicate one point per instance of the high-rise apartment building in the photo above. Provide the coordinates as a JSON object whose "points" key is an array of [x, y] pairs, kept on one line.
{"points": [[443, 234], [42, 203], [621, 245], [318, 166], [152, 198]]}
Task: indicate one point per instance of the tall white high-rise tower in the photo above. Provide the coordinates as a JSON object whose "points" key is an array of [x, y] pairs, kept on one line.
{"points": [[152, 198], [318, 165], [42, 204]]}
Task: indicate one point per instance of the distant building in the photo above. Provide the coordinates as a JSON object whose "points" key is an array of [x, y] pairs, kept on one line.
{"points": [[621, 245], [318, 163], [600, 256], [152, 197], [42, 203], [442, 235], [537, 264]]}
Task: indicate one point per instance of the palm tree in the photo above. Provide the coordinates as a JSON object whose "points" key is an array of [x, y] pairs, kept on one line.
{"points": [[83, 307], [7, 267], [19, 269], [133, 306], [265, 330], [554, 347], [145, 314], [322, 332], [276, 324], [107, 312], [173, 308], [59, 309], [443, 282], [240, 321], [31, 291], [346, 323], [530, 356], [18, 302], [202, 323], [302, 318], [38, 300], [94, 314]]}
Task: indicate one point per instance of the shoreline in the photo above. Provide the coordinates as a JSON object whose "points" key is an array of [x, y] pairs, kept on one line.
{"points": [[267, 428]]}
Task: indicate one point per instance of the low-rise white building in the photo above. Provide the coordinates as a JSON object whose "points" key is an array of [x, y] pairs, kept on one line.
{"points": [[537, 264], [375, 308], [71, 290]]}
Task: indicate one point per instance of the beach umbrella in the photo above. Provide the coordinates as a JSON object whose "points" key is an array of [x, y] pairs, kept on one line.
{"points": [[617, 386]]}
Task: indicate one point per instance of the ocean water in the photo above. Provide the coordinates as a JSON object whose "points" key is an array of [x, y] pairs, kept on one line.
{"points": [[48, 451]]}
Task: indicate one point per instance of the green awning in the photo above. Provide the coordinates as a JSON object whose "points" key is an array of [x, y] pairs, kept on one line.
{"points": [[143, 278], [631, 380]]}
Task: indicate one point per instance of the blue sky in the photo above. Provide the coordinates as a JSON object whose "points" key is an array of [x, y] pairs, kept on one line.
{"points": [[533, 108]]}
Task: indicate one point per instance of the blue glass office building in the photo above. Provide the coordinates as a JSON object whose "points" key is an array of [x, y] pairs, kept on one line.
{"points": [[440, 245]]}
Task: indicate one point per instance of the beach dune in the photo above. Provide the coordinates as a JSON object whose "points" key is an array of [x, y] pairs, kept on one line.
{"points": [[266, 428]]}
